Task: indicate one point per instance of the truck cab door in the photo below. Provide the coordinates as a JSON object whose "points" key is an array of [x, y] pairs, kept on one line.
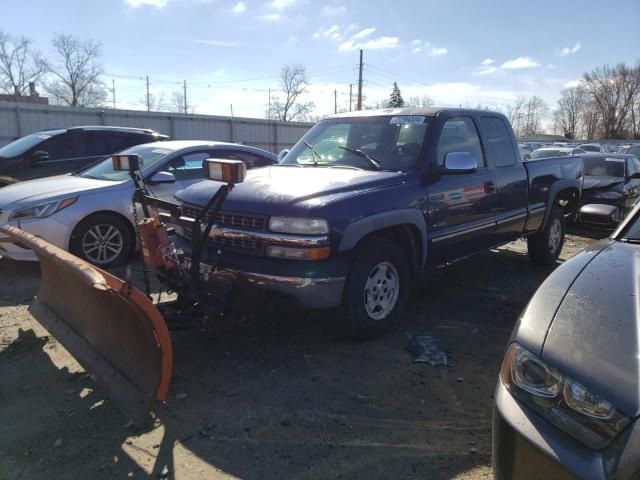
{"points": [[460, 217]]}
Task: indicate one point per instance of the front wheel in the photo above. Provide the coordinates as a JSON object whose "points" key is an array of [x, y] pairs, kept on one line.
{"points": [[104, 240], [377, 288], [545, 246]]}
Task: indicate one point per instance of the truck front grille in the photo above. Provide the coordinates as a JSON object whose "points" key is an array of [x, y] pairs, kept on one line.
{"points": [[229, 219]]}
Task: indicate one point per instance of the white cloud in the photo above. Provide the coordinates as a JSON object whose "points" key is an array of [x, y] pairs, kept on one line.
{"points": [[520, 62], [147, 3], [416, 42], [281, 4], [373, 44], [219, 72], [570, 50], [271, 17], [416, 50], [217, 43], [487, 70], [239, 7], [438, 51], [364, 33], [330, 10], [487, 61], [573, 83]]}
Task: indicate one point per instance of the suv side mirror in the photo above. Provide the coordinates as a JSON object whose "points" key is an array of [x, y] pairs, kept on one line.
{"points": [[282, 154], [39, 156], [460, 162], [162, 177]]}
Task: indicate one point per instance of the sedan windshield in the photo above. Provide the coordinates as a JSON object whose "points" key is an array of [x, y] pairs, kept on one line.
{"points": [[368, 143], [603, 167], [104, 170], [23, 144]]}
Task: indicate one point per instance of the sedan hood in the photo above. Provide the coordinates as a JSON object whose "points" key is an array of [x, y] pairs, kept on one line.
{"points": [[595, 335], [49, 187], [291, 188], [596, 183]]}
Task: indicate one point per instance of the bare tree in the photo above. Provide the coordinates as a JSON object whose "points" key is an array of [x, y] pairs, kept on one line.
{"points": [[591, 120], [293, 83], [155, 102], [535, 110], [423, 101], [613, 89], [19, 65], [570, 109], [176, 104], [515, 113], [75, 72]]}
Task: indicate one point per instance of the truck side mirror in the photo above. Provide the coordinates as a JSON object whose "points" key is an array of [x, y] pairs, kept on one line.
{"points": [[282, 154], [227, 171], [460, 162], [600, 215], [40, 156]]}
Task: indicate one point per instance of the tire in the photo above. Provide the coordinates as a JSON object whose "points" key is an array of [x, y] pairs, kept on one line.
{"points": [[103, 240], [545, 246], [366, 316]]}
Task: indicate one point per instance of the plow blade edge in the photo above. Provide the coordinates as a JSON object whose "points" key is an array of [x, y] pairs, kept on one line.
{"points": [[111, 328]]}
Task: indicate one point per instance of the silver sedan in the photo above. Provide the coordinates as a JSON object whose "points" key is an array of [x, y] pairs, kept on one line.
{"points": [[90, 212]]}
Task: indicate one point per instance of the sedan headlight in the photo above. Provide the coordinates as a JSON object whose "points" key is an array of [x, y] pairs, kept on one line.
{"points": [[42, 210], [300, 226], [567, 404]]}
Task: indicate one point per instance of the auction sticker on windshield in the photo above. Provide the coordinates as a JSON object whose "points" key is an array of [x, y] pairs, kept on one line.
{"points": [[413, 119]]}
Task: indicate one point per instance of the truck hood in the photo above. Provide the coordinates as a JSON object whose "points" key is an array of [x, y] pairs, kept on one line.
{"points": [[596, 183], [298, 188], [49, 188], [595, 335]]}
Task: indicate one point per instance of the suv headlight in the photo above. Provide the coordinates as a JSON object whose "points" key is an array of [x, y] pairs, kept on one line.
{"points": [[42, 209], [567, 404], [299, 226]]}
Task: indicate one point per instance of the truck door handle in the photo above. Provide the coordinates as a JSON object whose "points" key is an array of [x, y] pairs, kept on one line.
{"points": [[489, 187]]}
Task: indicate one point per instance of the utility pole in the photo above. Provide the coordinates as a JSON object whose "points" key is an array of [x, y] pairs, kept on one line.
{"points": [[360, 84], [113, 92], [269, 111], [148, 97], [335, 101], [184, 87], [350, 95]]}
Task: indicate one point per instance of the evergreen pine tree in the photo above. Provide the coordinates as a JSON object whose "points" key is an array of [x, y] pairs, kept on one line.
{"points": [[395, 100]]}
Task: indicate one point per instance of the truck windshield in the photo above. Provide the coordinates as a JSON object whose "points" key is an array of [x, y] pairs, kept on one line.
{"points": [[23, 144], [104, 169], [392, 142]]}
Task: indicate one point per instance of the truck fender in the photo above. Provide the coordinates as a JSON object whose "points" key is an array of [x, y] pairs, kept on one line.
{"points": [[373, 223], [555, 189]]}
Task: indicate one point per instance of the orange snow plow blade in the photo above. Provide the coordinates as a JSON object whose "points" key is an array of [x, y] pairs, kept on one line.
{"points": [[111, 328]]}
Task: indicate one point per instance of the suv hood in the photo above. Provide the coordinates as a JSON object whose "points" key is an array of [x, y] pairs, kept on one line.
{"points": [[48, 188], [294, 187], [595, 335]]}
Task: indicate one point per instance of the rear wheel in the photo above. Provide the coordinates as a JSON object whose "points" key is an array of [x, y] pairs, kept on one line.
{"points": [[377, 288], [545, 246], [104, 240]]}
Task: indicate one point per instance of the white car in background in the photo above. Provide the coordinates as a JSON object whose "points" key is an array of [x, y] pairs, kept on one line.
{"points": [[90, 212]]}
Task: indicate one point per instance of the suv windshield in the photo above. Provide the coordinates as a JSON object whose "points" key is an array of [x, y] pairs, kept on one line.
{"points": [[603, 167], [104, 169], [23, 144], [392, 142]]}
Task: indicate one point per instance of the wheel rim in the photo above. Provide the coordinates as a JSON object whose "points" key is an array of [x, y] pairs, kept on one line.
{"points": [[381, 290], [555, 235], [102, 243]]}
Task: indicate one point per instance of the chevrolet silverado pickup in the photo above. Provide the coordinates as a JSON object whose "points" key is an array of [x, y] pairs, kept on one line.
{"points": [[367, 201]]}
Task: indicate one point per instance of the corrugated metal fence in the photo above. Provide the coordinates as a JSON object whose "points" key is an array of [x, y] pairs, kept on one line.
{"points": [[18, 119]]}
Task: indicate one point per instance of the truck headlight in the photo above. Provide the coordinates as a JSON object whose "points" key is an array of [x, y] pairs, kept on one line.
{"points": [[567, 404], [42, 209], [300, 226]]}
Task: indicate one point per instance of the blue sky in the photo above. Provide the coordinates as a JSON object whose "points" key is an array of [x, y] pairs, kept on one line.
{"points": [[230, 51]]}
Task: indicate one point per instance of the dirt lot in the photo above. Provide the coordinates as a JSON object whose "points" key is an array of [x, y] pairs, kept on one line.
{"points": [[287, 397]]}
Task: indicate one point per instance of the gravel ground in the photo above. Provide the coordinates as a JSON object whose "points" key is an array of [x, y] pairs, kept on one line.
{"points": [[286, 397]]}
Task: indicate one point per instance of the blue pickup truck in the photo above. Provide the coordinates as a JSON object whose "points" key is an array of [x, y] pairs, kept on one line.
{"points": [[367, 201]]}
